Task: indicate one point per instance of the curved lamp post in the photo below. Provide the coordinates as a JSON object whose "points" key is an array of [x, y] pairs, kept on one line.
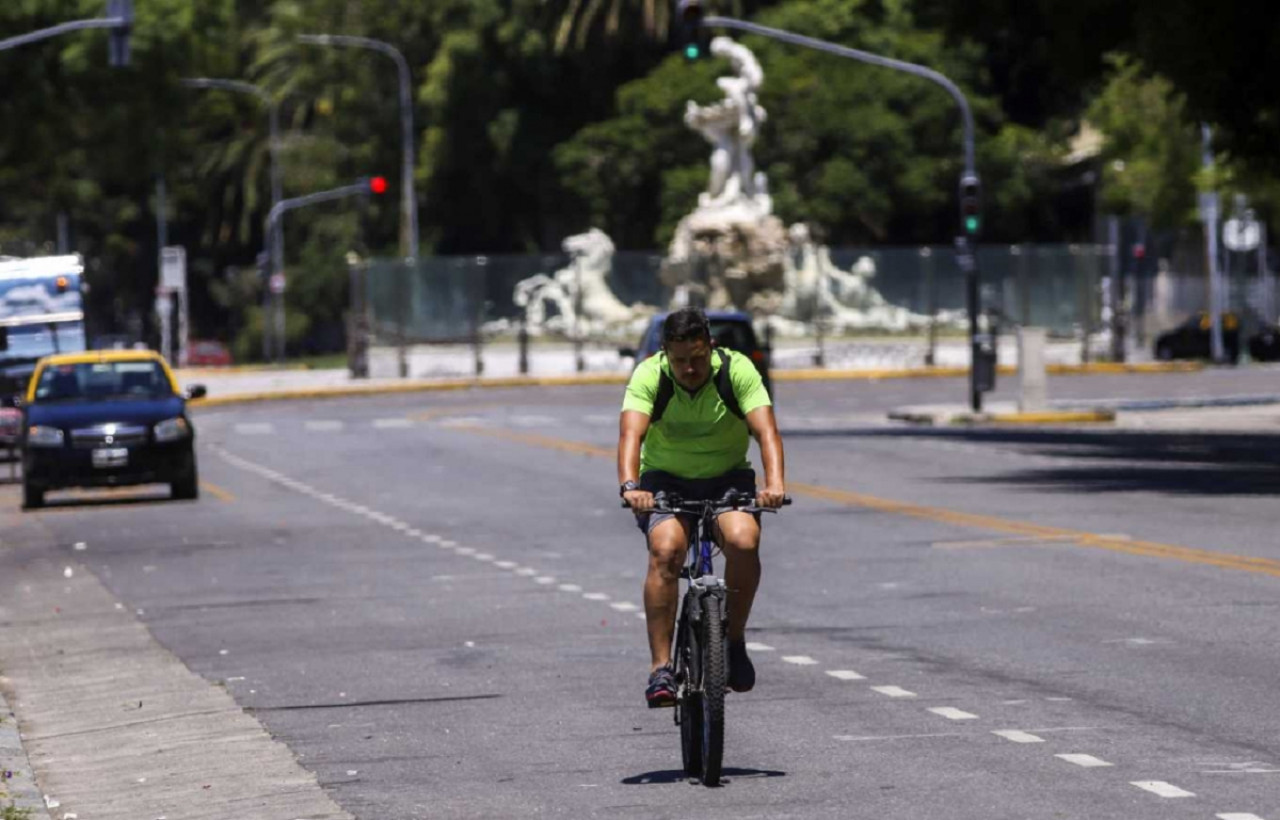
{"points": [[409, 203]]}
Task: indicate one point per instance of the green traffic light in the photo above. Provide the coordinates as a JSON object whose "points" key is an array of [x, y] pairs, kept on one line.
{"points": [[692, 51], [971, 224]]}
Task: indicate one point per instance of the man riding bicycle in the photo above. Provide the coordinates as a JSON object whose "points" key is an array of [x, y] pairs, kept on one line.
{"points": [[685, 426]]}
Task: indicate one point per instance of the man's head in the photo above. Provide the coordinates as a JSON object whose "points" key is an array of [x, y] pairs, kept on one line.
{"points": [[686, 339]]}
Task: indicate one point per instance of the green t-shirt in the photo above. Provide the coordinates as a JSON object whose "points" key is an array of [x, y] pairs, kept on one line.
{"points": [[697, 436]]}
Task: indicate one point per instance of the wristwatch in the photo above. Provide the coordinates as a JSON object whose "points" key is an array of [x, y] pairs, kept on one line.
{"points": [[628, 486]]}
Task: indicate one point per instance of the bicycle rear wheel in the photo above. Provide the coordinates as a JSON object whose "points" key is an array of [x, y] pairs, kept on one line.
{"points": [[714, 668]]}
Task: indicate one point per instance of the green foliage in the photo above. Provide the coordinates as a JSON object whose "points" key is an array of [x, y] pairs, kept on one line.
{"points": [[1151, 152], [863, 153]]}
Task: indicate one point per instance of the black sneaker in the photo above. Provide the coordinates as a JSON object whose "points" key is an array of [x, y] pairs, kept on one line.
{"points": [[661, 692], [742, 675]]}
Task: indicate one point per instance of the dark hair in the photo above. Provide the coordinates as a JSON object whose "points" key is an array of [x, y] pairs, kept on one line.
{"points": [[686, 325]]}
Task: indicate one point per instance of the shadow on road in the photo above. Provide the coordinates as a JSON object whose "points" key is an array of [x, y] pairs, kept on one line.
{"points": [[678, 776], [89, 502], [1177, 463]]}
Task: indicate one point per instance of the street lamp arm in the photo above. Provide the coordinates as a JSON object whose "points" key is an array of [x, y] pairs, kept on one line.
{"points": [[62, 28], [229, 85], [866, 57]]}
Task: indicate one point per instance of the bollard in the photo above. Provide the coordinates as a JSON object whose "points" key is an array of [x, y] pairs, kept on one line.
{"points": [[1033, 394], [522, 339]]}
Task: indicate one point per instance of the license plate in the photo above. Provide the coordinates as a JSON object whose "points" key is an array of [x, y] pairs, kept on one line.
{"points": [[107, 457]]}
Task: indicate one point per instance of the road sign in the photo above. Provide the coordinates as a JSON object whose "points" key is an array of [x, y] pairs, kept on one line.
{"points": [[1241, 234], [276, 283], [173, 268]]}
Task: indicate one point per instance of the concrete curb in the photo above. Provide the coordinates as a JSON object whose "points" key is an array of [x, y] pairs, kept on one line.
{"points": [[354, 391], [943, 418], [17, 781]]}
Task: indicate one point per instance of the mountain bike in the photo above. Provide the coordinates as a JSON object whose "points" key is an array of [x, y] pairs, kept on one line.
{"points": [[701, 656]]}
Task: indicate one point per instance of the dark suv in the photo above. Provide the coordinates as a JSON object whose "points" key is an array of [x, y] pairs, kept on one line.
{"points": [[729, 329]]}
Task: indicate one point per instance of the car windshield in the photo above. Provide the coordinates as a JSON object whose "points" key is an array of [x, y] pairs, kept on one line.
{"points": [[733, 335], [103, 380]]}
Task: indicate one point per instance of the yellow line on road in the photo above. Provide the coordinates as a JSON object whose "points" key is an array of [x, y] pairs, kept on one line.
{"points": [[216, 491], [1079, 538]]}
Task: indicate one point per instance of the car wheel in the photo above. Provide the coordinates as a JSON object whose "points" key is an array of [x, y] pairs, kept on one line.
{"points": [[1164, 352], [32, 497], [187, 489]]}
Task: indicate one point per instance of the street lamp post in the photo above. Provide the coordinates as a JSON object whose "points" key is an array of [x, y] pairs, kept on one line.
{"points": [[980, 370], [409, 202], [119, 20], [273, 149]]}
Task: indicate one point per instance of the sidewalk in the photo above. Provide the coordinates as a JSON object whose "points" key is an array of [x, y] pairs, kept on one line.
{"points": [[1242, 414]]}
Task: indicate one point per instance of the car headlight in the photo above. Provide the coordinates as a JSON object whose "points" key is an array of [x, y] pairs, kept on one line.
{"points": [[39, 436], [172, 430]]}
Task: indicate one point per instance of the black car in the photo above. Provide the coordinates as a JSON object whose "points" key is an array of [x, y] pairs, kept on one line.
{"points": [[729, 329], [1264, 346], [1191, 339], [106, 419]]}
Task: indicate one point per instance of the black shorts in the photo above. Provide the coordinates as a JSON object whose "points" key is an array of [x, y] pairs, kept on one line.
{"points": [[692, 489]]}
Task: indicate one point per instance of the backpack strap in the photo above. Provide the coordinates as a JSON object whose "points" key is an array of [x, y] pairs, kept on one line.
{"points": [[724, 386], [666, 389]]}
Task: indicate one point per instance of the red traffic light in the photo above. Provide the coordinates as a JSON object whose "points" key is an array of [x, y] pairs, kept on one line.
{"points": [[378, 185]]}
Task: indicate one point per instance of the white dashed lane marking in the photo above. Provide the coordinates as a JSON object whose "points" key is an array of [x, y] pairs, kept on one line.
{"points": [[392, 424], [1087, 761], [569, 588], [799, 660], [595, 596], [623, 606], [844, 674], [752, 646], [1162, 789], [1018, 736], [893, 691], [323, 426], [952, 713], [1236, 815], [248, 428]]}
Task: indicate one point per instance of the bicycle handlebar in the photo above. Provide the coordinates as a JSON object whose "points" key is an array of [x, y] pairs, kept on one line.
{"points": [[733, 500]]}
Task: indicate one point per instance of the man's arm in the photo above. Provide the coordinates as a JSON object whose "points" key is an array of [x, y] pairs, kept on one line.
{"points": [[764, 428], [632, 426]]}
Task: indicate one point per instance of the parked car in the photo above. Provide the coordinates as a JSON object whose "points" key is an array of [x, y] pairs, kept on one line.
{"points": [[1191, 339], [208, 353], [1264, 346], [106, 418], [729, 329]]}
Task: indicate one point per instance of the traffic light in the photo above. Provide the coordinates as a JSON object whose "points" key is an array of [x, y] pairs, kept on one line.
{"points": [[377, 185], [118, 39], [971, 205], [695, 40]]}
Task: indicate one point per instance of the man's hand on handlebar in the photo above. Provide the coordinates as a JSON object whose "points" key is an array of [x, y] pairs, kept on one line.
{"points": [[640, 501], [771, 498]]}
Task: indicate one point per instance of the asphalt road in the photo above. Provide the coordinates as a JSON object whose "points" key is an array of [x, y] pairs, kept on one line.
{"points": [[432, 600]]}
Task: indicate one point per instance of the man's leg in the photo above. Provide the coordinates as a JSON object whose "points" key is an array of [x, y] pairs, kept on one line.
{"points": [[668, 542], [740, 541], [739, 537]]}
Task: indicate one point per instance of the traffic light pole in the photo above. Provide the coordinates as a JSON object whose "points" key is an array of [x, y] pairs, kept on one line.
{"points": [[969, 181], [275, 242]]}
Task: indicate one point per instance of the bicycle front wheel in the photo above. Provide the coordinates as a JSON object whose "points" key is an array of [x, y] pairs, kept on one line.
{"points": [[689, 706], [711, 646]]}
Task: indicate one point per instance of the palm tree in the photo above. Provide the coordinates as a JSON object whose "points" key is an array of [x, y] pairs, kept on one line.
{"points": [[580, 17]]}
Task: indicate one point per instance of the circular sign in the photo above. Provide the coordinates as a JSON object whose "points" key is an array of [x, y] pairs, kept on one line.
{"points": [[1241, 234], [277, 283]]}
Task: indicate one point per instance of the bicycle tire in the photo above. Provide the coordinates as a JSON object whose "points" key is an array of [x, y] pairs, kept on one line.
{"points": [[714, 667], [689, 706]]}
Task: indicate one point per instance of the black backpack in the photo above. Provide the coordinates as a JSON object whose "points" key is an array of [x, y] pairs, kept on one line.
{"points": [[724, 386]]}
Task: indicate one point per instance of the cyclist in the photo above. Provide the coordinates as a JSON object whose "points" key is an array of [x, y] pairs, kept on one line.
{"points": [[684, 428]]}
